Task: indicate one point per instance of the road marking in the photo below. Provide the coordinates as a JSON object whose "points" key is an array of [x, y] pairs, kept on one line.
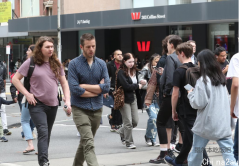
{"points": [[9, 164], [64, 120], [138, 129]]}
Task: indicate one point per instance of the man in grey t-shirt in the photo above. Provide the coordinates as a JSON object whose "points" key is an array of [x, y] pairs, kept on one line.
{"points": [[3, 75]]}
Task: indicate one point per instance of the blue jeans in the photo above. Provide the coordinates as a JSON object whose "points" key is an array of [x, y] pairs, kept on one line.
{"points": [[195, 157], [27, 124], [235, 146], [151, 131]]}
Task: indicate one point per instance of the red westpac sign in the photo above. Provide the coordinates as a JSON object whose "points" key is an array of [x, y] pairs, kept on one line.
{"points": [[143, 46], [136, 16]]}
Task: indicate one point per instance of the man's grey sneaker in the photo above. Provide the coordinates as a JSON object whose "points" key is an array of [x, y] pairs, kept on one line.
{"points": [[3, 139], [131, 146], [148, 141], [6, 132]]}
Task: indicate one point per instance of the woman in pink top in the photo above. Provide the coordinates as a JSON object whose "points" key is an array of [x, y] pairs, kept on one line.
{"points": [[42, 97]]}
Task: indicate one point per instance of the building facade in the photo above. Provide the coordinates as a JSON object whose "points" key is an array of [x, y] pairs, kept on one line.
{"points": [[136, 26]]}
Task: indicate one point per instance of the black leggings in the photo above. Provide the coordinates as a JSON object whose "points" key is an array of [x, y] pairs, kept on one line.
{"points": [[116, 117], [164, 114]]}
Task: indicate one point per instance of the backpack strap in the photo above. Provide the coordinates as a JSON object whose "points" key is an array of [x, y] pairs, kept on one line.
{"points": [[31, 68], [184, 67], [29, 75]]}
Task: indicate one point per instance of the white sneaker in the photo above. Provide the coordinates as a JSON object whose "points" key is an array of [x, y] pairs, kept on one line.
{"points": [[155, 144], [148, 141], [131, 146], [78, 134]]}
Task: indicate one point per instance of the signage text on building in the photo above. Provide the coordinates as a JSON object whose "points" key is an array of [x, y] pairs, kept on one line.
{"points": [[138, 16], [158, 16], [83, 22], [5, 11]]}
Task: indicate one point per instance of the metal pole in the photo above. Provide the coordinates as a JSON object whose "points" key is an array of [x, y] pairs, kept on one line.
{"points": [[59, 32], [8, 67]]}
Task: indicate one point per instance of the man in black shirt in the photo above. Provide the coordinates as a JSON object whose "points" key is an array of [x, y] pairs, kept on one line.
{"points": [[115, 118], [185, 113], [221, 56]]}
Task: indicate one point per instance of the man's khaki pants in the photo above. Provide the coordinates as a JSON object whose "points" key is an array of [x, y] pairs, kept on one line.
{"points": [[87, 123]]}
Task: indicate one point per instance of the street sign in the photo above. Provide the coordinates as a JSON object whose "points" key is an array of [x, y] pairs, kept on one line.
{"points": [[5, 11], [8, 49]]}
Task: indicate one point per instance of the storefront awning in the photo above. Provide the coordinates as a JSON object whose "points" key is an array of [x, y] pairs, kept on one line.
{"points": [[197, 13], [4, 32]]}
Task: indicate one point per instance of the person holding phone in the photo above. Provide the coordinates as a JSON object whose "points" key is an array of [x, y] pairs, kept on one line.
{"points": [[213, 122], [127, 77]]}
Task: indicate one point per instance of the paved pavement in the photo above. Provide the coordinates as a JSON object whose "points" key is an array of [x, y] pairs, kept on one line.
{"points": [[64, 142]]}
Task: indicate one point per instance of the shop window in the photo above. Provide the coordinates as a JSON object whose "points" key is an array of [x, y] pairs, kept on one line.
{"points": [[217, 0], [176, 2], [184, 31], [49, 11], [30, 8], [224, 35], [48, 7], [143, 3]]}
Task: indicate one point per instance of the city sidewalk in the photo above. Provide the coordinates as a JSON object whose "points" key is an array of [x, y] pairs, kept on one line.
{"points": [[133, 157], [124, 159]]}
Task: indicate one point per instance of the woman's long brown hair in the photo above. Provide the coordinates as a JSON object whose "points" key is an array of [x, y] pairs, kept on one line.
{"points": [[55, 64], [125, 68]]}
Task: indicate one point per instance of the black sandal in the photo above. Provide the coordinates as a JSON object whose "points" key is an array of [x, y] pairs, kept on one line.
{"points": [[28, 151]]}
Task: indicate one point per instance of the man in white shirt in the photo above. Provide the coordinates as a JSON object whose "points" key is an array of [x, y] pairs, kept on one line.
{"points": [[233, 71]]}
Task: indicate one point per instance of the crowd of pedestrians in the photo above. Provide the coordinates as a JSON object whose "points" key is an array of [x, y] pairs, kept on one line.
{"points": [[194, 97]]}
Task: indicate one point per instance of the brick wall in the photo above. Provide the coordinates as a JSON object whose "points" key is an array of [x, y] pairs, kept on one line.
{"points": [[17, 8], [54, 8], [73, 6]]}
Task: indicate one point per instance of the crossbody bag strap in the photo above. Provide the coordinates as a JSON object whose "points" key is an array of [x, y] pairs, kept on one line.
{"points": [[29, 75], [116, 80]]}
